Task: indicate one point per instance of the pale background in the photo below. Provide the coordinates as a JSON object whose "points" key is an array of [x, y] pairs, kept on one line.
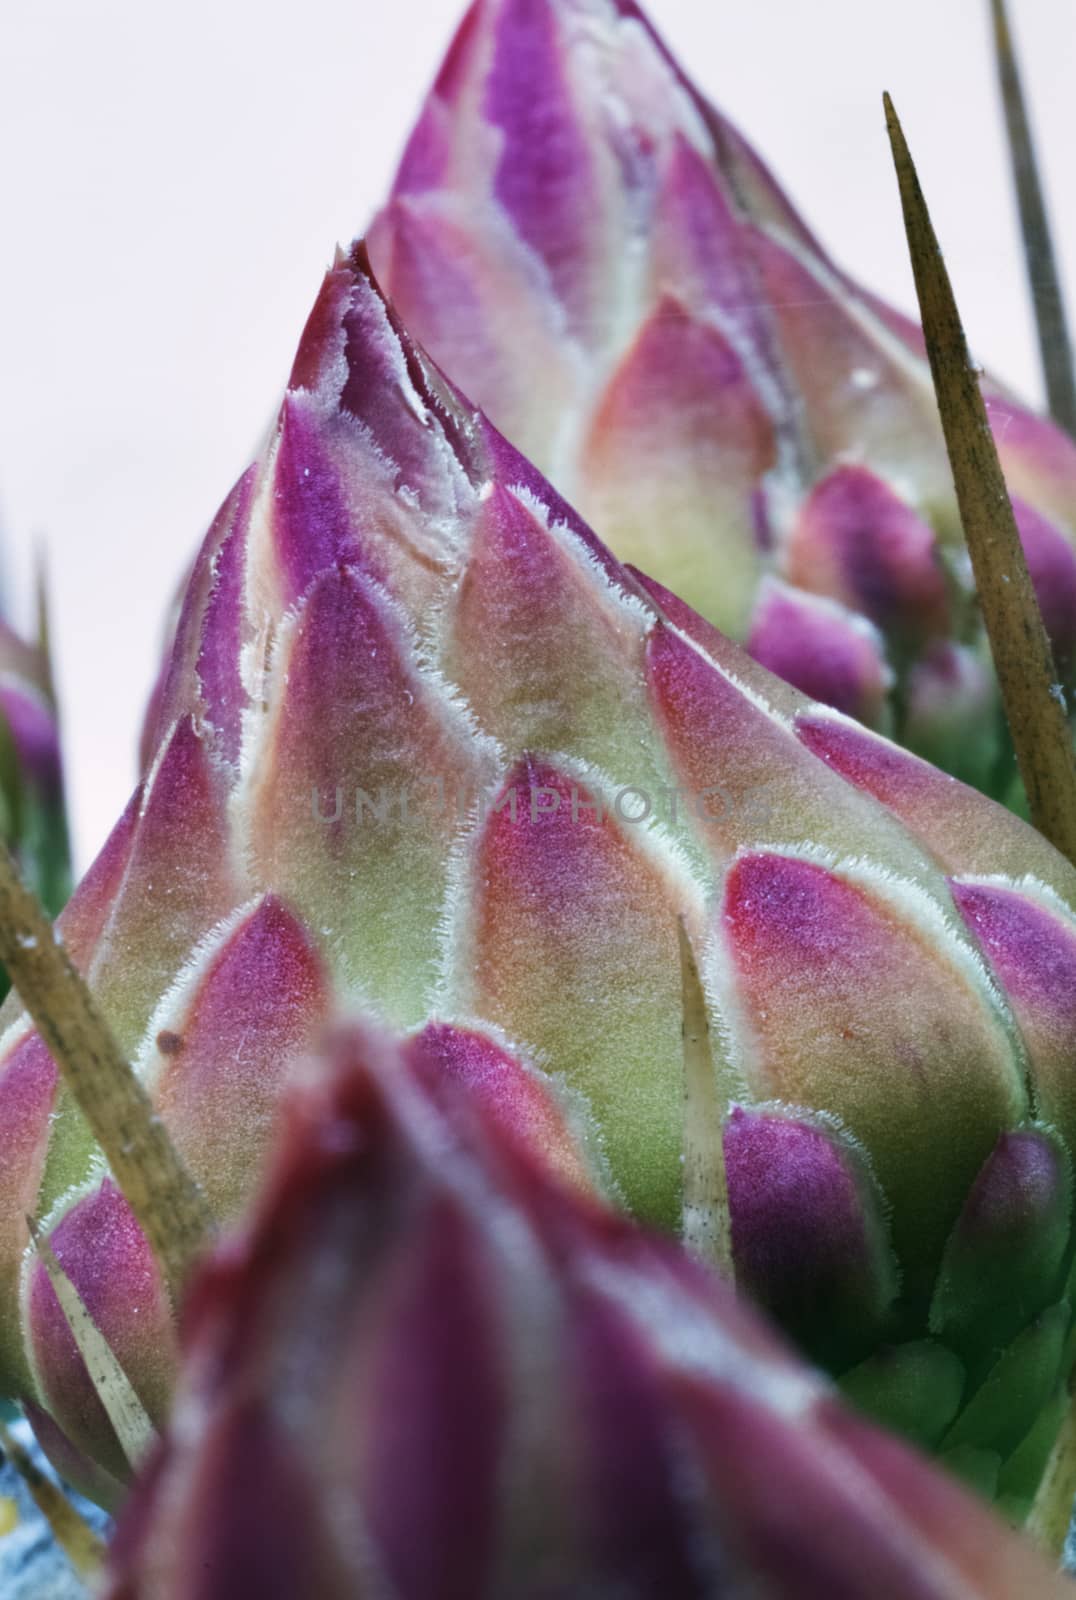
{"points": [[173, 179]]}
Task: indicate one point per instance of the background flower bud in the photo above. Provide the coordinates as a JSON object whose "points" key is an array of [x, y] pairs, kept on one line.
{"points": [[33, 819], [603, 263]]}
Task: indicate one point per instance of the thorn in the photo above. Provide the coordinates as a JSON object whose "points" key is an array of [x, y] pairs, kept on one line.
{"points": [[706, 1224], [75, 1537], [167, 1203], [1044, 282], [1023, 660], [114, 1389]]}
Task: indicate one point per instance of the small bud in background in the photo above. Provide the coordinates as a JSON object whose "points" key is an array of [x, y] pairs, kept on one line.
{"points": [[33, 818]]}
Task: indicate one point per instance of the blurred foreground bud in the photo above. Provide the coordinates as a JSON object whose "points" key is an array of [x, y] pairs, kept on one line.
{"points": [[605, 266], [424, 748], [425, 1368]]}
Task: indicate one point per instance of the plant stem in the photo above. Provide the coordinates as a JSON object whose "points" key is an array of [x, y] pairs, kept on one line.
{"points": [[707, 1228], [166, 1201], [1051, 1511], [76, 1538], [113, 1388], [1031, 693], [1051, 323]]}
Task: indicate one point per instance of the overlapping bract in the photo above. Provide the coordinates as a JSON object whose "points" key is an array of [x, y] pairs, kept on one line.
{"points": [[425, 748], [426, 1368], [605, 266]]}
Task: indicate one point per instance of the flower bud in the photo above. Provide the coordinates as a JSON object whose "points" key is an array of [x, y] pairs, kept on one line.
{"points": [[605, 266], [425, 749], [427, 1367]]}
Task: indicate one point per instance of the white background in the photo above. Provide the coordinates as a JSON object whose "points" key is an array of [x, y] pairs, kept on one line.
{"points": [[173, 179]]}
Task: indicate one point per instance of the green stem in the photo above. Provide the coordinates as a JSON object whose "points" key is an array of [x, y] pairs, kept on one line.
{"points": [[707, 1228], [1027, 677], [1051, 1511], [167, 1203], [76, 1538], [1051, 323]]}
